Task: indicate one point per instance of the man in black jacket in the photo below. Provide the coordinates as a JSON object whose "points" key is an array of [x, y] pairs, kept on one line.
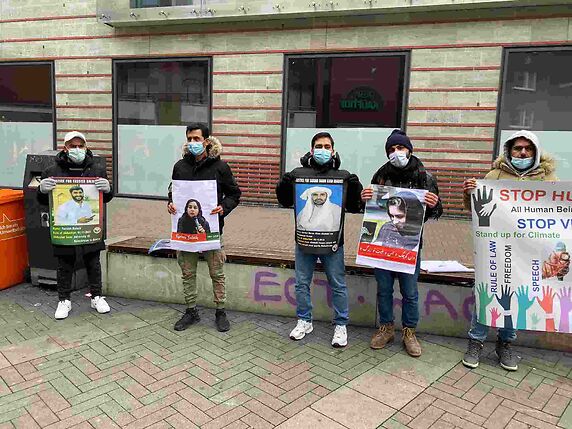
{"points": [[404, 170], [76, 160], [319, 192], [201, 161]]}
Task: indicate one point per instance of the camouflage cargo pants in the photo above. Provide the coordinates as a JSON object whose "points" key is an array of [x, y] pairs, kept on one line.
{"points": [[215, 260]]}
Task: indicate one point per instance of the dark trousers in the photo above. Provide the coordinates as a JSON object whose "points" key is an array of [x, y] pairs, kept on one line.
{"points": [[66, 266]]}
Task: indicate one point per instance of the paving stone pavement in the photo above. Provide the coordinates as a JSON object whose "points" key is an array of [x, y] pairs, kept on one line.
{"points": [[130, 369]]}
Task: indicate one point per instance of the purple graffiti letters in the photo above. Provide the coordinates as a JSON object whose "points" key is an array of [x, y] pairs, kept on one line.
{"points": [[259, 283], [437, 298], [290, 283], [468, 305]]}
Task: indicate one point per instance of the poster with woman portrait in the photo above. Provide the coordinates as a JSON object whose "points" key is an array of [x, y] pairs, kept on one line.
{"points": [[193, 227], [391, 229]]}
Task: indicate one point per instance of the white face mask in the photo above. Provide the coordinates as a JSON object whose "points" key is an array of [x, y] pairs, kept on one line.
{"points": [[398, 159], [76, 155]]}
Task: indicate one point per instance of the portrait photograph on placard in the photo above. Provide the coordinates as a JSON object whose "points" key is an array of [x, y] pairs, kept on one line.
{"points": [[193, 227], [318, 208], [391, 228], [76, 209]]}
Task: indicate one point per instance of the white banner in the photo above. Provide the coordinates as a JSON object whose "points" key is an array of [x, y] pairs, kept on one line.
{"points": [[522, 235]]}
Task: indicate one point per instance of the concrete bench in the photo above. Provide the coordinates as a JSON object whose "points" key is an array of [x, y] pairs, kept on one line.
{"points": [[263, 282]]}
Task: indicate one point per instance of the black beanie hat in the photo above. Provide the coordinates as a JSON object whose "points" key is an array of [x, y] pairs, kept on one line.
{"points": [[398, 137]]}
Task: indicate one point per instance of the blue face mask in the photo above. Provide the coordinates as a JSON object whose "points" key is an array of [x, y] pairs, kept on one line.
{"points": [[321, 156], [522, 163], [196, 148]]}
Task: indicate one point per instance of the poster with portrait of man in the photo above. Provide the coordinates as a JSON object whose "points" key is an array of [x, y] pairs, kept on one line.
{"points": [[193, 227], [76, 208], [391, 229], [318, 207]]}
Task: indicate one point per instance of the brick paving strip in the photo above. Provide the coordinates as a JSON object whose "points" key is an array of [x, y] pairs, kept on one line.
{"points": [[130, 369]]}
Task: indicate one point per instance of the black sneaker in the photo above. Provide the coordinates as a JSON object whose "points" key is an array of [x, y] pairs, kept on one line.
{"points": [[222, 323], [506, 358], [190, 317], [473, 354]]}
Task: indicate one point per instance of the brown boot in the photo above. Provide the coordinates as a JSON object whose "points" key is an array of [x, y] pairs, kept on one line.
{"points": [[412, 346], [383, 335]]}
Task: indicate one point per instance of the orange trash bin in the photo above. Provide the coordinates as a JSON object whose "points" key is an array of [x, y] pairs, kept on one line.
{"points": [[13, 245]]}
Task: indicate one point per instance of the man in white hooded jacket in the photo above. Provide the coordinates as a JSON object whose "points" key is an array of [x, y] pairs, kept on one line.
{"points": [[522, 159]]}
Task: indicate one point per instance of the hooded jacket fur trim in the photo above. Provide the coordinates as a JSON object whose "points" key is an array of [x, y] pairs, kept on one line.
{"points": [[214, 148]]}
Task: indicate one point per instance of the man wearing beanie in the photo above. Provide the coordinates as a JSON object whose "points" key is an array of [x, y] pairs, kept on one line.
{"points": [[404, 170], [522, 159], [76, 160]]}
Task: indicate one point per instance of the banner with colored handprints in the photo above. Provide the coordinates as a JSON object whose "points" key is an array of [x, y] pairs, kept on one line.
{"points": [[522, 234]]}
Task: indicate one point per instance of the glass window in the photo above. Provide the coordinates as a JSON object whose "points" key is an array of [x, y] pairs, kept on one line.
{"points": [[536, 94], [163, 93], [359, 99], [155, 100], [162, 3], [26, 116]]}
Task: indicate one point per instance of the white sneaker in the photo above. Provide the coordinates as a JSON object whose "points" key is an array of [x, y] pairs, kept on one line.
{"points": [[64, 308], [340, 336], [100, 304], [302, 328]]}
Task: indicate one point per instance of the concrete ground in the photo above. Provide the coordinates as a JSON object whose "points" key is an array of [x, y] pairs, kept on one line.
{"points": [[130, 369], [270, 231]]}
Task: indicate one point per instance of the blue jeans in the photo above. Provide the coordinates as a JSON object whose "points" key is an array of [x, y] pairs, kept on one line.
{"points": [[479, 331], [409, 294], [334, 266]]}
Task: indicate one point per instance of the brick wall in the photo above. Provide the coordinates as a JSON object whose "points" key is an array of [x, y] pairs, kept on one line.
{"points": [[455, 72]]}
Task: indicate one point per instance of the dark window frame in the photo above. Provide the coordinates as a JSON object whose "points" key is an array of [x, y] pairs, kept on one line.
{"points": [[115, 83], [406, 54], [135, 7], [503, 80], [53, 89]]}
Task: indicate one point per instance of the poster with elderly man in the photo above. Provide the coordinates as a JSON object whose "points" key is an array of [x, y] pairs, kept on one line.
{"points": [[391, 229], [318, 205], [522, 233], [76, 208]]}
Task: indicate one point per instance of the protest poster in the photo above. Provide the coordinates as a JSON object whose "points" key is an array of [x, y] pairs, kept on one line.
{"points": [[522, 233], [318, 206], [391, 229], [76, 208], [193, 227]]}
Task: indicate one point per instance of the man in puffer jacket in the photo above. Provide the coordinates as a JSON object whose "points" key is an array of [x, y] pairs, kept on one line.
{"points": [[201, 161], [522, 159], [322, 163]]}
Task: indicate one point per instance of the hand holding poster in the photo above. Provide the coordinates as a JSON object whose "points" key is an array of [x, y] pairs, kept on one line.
{"points": [[318, 206], [194, 228], [76, 207], [523, 238], [391, 229]]}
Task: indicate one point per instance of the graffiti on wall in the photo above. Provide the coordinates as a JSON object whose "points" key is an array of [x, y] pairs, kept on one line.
{"points": [[268, 287]]}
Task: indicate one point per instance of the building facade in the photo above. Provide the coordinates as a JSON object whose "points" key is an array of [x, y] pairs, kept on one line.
{"points": [[458, 76]]}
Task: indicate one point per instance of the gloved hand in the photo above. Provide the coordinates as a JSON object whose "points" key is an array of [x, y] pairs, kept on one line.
{"points": [[46, 185], [103, 185]]}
